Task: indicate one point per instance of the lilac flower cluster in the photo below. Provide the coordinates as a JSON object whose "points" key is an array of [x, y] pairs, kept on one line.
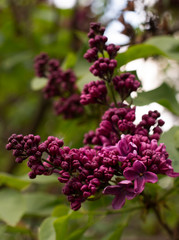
{"points": [[84, 171], [141, 160], [40, 65], [125, 84], [118, 121], [94, 92], [70, 107], [102, 67], [125, 155], [115, 121], [150, 125], [60, 84], [97, 43]]}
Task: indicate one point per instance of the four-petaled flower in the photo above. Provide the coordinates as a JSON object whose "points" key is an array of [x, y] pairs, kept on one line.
{"points": [[138, 172], [123, 190]]}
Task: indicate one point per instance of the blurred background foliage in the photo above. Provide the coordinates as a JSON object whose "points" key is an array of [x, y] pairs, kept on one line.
{"points": [[35, 209]]}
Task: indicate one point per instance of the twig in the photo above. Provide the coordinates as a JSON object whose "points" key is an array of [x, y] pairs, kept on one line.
{"points": [[162, 223]]}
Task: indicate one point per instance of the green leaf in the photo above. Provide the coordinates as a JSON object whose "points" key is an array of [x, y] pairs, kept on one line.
{"points": [[38, 83], [176, 138], [60, 210], [138, 51], [168, 44], [47, 15], [164, 95], [161, 46], [117, 234], [68, 130], [39, 203], [76, 235], [2, 230], [76, 214], [15, 59], [61, 227], [69, 61], [85, 76], [47, 231], [18, 229], [12, 206], [12, 181], [170, 139], [82, 36], [41, 179]]}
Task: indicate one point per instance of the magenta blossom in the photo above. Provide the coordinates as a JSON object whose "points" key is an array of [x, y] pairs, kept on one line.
{"points": [[123, 190], [138, 172]]}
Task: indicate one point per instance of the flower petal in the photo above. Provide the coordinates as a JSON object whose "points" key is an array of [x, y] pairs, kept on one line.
{"points": [[130, 195], [130, 174], [119, 201], [150, 177], [121, 158], [171, 173], [139, 184], [123, 147], [139, 166], [113, 190], [125, 183]]}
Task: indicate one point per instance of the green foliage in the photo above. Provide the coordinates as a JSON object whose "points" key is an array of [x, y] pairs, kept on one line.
{"points": [[38, 83], [47, 231], [12, 206], [60, 210], [62, 224], [170, 138], [61, 227], [116, 235], [69, 61], [138, 51], [164, 95], [167, 44], [13, 181], [39, 203]]}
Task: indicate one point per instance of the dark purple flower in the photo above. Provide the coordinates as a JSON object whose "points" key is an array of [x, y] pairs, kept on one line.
{"points": [[103, 68], [115, 122], [94, 92], [150, 125], [70, 107], [138, 172], [125, 84], [91, 55], [123, 190], [40, 64], [112, 50]]}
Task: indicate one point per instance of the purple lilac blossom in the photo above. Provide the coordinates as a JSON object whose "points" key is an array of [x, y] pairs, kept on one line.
{"points": [[70, 107], [138, 172], [60, 84], [122, 190], [104, 68], [40, 64], [125, 84], [86, 171], [115, 122], [94, 92], [123, 149]]}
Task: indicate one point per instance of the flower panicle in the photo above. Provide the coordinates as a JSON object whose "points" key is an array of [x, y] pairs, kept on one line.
{"points": [[125, 155], [61, 84]]}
